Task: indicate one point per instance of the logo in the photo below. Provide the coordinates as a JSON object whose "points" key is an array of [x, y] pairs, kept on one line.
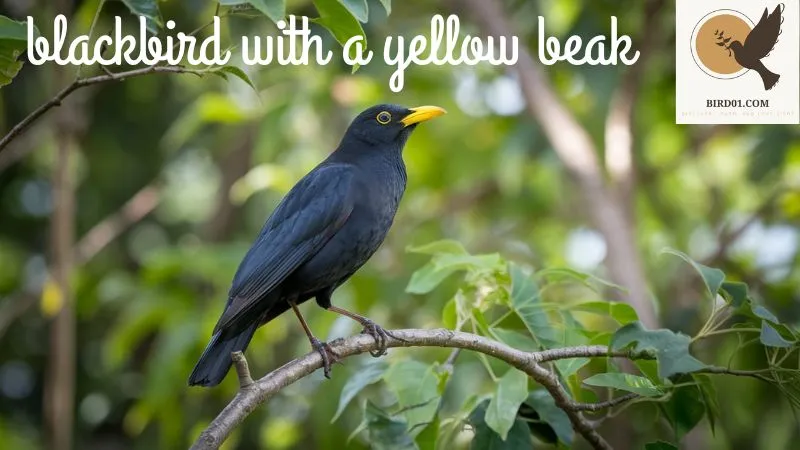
{"points": [[737, 62]]}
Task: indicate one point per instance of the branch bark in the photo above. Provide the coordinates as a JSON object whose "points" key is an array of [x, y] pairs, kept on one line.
{"points": [[251, 395]]}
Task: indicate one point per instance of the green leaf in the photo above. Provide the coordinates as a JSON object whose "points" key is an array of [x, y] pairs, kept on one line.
{"points": [[763, 313], [649, 368], [625, 382], [427, 277], [514, 339], [449, 315], [13, 41], [358, 8], [621, 312], [490, 263], [148, 9], [684, 409], [712, 277], [737, 293], [387, 5], [274, 9], [660, 445], [671, 349], [561, 273], [370, 374], [709, 393], [525, 301], [416, 387], [771, 337], [444, 246], [426, 440], [518, 437], [546, 407], [386, 432], [338, 20], [237, 72], [512, 390]]}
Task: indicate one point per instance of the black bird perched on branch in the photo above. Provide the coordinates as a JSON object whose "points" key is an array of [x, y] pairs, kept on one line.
{"points": [[325, 229], [758, 44]]}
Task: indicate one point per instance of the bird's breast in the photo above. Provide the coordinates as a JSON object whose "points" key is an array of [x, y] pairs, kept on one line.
{"points": [[376, 203]]}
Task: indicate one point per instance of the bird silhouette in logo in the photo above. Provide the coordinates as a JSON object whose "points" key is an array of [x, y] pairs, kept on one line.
{"points": [[757, 45]]}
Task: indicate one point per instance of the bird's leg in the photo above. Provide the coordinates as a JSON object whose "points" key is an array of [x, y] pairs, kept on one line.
{"points": [[371, 328], [325, 351]]}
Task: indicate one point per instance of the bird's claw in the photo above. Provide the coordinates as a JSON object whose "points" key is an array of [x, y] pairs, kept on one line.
{"points": [[329, 356], [380, 335]]}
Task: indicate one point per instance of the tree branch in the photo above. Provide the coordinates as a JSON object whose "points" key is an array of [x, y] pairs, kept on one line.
{"points": [[95, 240], [135, 209], [599, 406], [730, 235], [248, 399], [252, 394], [23, 125]]}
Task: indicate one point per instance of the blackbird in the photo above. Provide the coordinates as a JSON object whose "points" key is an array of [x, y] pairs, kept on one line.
{"points": [[328, 225], [758, 44]]}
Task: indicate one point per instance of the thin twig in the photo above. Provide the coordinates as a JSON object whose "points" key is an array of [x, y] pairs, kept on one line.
{"points": [[242, 370], [451, 360], [605, 404], [99, 236], [84, 82], [730, 235], [736, 372]]}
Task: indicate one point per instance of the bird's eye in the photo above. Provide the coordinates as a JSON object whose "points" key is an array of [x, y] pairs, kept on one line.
{"points": [[384, 118]]}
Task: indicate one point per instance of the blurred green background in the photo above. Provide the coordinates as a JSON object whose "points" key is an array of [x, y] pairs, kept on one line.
{"points": [[181, 171]]}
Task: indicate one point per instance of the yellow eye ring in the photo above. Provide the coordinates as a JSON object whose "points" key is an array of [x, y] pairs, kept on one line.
{"points": [[384, 118]]}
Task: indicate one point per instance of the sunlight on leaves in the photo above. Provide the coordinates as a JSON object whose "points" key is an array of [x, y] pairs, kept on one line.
{"points": [[338, 20]]}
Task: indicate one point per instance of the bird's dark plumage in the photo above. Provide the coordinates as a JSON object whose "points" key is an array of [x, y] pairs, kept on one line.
{"points": [[326, 228], [758, 44]]}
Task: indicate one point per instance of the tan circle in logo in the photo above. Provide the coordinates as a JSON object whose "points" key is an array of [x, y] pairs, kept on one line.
{"points": [[711, 37]]}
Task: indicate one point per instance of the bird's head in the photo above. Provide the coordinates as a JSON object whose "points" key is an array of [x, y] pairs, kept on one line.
{"points": [[736, 46], [390, 124]]}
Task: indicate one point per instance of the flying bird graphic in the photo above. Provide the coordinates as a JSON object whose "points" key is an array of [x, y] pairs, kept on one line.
{"points": [[758, 44]]}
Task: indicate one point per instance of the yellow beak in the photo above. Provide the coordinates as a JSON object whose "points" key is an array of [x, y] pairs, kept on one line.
{"points": [[421, 114]]}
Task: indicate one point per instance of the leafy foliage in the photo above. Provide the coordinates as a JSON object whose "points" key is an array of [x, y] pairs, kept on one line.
{"points": [[334, 16], [147, 9], [13, 41], [502, 301]]}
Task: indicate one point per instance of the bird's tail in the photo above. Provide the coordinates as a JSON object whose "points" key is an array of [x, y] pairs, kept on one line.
{"points": [[769, 78], [216, 360]]}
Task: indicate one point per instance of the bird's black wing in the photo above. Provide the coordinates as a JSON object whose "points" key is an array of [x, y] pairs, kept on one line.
{"points": [[765, 34], [310, 214]]}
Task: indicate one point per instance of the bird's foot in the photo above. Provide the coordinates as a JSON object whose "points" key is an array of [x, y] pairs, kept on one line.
{"points": [[380, 335], [329, 356]]}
